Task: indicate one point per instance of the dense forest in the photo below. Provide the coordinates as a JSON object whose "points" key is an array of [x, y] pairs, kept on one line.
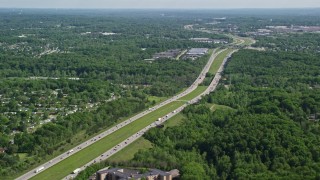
{"points": [[304, 42], [261, 123], [270, 130], [68, 75]]}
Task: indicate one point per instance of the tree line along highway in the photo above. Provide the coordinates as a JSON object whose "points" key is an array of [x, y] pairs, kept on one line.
{"points": [[133, 137]]}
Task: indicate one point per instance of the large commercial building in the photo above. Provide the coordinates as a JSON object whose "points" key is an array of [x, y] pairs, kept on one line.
{"points": [[197, 51], [194, 53], [124, 174], [208, 40]]}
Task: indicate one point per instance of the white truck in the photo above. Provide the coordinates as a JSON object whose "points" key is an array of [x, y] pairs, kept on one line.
{"points": [[76, 171], [70, 151], [39, 169]]}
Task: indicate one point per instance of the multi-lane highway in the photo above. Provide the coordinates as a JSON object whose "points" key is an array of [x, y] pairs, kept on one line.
{"points": [[127, 122], [161, 120]]}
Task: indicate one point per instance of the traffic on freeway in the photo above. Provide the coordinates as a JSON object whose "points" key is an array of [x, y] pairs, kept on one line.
{"points": [[159, 121], [120, 146]]}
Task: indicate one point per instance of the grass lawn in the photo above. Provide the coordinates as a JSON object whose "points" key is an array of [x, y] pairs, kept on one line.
{"points": [[128, 152], [181, 54], [211, 51], [247, 41], [22, 156], [156, 99], [219, 59], [236, 41], [175, 120], [194, 93], [214, 107]]}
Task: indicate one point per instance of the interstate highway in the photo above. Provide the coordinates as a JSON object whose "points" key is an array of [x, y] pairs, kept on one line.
{"points": [[127, 122], [161, 120]]}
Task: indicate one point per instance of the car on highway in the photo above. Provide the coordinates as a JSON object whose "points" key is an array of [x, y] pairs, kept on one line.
{"points": [[138, 134], [76, 171], [70, 151], [39, 169]]}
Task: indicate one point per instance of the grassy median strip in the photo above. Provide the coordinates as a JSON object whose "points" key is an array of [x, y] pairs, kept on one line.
{"points": [[80, 158], [193, 94], [218, 60], [127, 153]]}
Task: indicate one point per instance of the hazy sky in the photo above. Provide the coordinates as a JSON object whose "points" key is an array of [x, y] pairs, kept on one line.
{"points": [[159, 3]]}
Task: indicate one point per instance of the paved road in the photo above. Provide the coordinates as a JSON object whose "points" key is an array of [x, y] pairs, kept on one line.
{"points": [[115, 149], [134, 137]]}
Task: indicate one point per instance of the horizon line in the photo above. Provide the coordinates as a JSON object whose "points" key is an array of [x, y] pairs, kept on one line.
{"points": [[159, 8]]}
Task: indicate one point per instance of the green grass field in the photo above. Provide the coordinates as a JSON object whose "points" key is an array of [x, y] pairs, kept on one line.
{"points": [[22, 156], [128, 152], [219, 59], [174, 121], [157, 99], [247, 41], [194, 93], [236, 41], [214, 107]]}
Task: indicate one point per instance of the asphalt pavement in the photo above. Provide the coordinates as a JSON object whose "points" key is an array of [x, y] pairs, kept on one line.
{"points": [[134, 137]]}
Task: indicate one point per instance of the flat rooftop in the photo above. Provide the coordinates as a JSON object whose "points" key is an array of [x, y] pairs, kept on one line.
{"points": [[197, 51]]}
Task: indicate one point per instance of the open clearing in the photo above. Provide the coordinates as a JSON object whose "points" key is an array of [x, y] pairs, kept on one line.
{"points": [[214, 107], [174, 121], [128, 152]]}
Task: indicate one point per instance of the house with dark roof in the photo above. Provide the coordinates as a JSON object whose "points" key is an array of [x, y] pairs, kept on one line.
{"points": [[124, 174], [2, 150]]}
